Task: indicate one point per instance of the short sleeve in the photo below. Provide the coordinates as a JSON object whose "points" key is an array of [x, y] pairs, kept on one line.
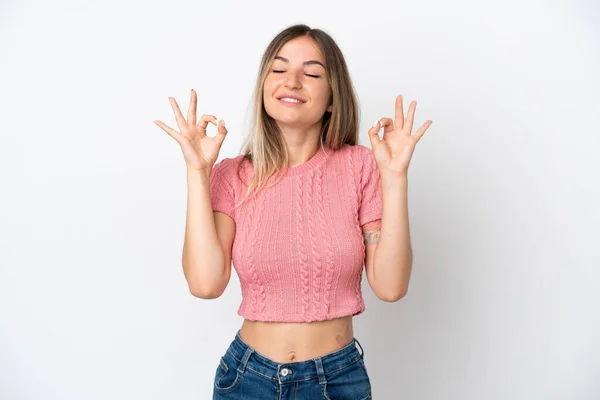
{"points": [[221, 191], [371, 204]]}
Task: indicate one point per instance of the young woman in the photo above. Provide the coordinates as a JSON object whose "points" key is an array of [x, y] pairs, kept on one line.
{"points": [[299, 213]]}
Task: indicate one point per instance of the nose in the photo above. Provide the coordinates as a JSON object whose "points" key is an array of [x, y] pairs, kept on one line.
{"points": [[292, 81]]}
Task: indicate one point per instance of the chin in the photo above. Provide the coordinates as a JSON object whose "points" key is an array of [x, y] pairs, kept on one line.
{"points": [[290, 122], [286, 118], [291, 118]]}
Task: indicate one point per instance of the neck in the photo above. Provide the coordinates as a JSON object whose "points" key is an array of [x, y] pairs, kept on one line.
{"points": [[302, 142]]}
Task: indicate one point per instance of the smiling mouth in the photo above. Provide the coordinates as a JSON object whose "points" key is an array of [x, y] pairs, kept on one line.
{"points": [[288, 101]]}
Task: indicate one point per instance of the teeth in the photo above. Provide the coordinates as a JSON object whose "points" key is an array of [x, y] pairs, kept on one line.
{"points": [[291, 100]]}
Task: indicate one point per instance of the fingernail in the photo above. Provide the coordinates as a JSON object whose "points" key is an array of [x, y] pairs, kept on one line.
{"points": [[375, 124], [223, 122]]}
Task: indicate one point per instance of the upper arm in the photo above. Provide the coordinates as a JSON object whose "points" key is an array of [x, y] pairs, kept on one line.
{"points": [[370, 232], [222, 197], [225, 226], [371, 206], [371, 191]]}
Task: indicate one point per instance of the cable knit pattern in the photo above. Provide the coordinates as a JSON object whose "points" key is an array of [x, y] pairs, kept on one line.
{"points": [[298, 248], [329, 251], [249, 236], [355, 279], [258, 300], [316, 257], [302, 253], [371, 195], [221, 190], [249, 262]]}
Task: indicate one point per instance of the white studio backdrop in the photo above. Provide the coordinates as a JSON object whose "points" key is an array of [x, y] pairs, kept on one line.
{"points": [[503, 193]]}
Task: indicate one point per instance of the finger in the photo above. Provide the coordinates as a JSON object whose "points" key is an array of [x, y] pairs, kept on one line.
{"points": [[192, 110], [411, 116], [399, 115], [374, 134], [203, 123], [172, 132], [418, 134], [221, 133], [181, 122], [387, 124]]}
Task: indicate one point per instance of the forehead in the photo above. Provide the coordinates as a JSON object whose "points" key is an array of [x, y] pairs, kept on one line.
{"points": [[301, 49]]}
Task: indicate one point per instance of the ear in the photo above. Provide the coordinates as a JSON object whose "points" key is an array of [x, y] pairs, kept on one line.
{"points": [[330, 108]]}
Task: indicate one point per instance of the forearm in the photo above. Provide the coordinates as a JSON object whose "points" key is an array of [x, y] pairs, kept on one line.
{"points": [[392, 260], [203, 258]]}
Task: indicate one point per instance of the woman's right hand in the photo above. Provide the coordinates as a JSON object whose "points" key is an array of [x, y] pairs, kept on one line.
{"points": [[200, 151]]}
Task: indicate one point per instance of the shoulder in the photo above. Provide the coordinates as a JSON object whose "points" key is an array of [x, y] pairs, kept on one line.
{"points": [[360, 154], [365, 151], [221, 173], [357, 156], [356, 149], [227, 165], [353, 149], [235, 171]]}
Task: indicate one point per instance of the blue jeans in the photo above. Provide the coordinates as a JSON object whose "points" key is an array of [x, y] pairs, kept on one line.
{"points": [[243, 373]]}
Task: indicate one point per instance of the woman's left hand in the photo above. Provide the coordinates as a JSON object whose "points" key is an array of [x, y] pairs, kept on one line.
{"points": [[394, 152]]}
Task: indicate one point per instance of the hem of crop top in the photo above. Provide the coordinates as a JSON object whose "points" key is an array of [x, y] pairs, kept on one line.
{"points": [[270, 317]]}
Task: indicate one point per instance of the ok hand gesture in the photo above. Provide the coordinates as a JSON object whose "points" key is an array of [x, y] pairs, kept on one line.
{"points": [[200, 151], [394, 152]]}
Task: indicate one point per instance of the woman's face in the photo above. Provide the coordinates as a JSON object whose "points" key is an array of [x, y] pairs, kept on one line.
{"points": [[297, 71]]}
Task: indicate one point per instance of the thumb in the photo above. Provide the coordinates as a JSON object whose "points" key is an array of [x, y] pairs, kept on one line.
{"points": [[374, 134], [221, 132]]}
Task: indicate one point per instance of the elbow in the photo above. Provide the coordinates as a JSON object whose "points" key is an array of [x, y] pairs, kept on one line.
{"points": [[202, 285], [207, 293], [393, 296]]}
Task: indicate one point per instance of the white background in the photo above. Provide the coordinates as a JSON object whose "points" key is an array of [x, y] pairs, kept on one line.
{"points": [[503, 192]]}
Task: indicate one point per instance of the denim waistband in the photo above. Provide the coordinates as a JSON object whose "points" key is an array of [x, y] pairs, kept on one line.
{"points": [[294, 371]]}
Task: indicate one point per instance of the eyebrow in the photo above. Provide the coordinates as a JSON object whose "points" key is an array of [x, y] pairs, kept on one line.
{"points": [[311, 62]]}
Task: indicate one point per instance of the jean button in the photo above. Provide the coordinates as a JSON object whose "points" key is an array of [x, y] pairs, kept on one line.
{"points": [[284, 372]]}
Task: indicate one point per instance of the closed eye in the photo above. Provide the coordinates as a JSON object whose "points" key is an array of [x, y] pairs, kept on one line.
{"points": [[312, 76]]}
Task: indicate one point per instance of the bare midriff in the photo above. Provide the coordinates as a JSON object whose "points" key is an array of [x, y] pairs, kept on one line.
{"points": [[285, 342]]}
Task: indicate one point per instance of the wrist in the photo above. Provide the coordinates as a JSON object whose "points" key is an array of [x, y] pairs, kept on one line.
{"points": [[394, 176], [202, 173]]}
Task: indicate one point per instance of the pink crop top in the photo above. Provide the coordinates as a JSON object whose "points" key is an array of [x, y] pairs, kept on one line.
{"points": [[298, 249]]}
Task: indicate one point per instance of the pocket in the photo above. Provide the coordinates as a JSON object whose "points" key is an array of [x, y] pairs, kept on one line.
{"points": [[350, 382], [227, 377]]}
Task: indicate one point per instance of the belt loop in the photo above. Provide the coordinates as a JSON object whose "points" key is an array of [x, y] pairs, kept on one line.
{"points": [[245, 359], [320, 371], [362, 352]]}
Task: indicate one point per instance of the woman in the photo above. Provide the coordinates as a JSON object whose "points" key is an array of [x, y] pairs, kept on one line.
{"points": [[306, 206]]}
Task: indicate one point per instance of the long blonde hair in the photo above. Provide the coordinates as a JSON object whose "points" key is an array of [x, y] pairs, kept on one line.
{"points": [[264, 147]]}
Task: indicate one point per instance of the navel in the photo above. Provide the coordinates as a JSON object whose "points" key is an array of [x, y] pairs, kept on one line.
{"points": [[292, 355]]}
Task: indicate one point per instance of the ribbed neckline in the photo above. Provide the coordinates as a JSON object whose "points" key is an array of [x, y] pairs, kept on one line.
{"points": [[311, 163], [299, 169]]}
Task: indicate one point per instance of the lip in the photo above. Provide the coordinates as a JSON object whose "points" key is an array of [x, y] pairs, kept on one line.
{"points": [[290, 104], [291, 96]]}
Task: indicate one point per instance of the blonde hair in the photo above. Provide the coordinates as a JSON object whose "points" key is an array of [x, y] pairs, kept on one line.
{"points": [[264, 147]]}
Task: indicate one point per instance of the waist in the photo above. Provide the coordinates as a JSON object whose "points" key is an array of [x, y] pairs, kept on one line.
{"points": [[294, 342], [298, 370]]}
